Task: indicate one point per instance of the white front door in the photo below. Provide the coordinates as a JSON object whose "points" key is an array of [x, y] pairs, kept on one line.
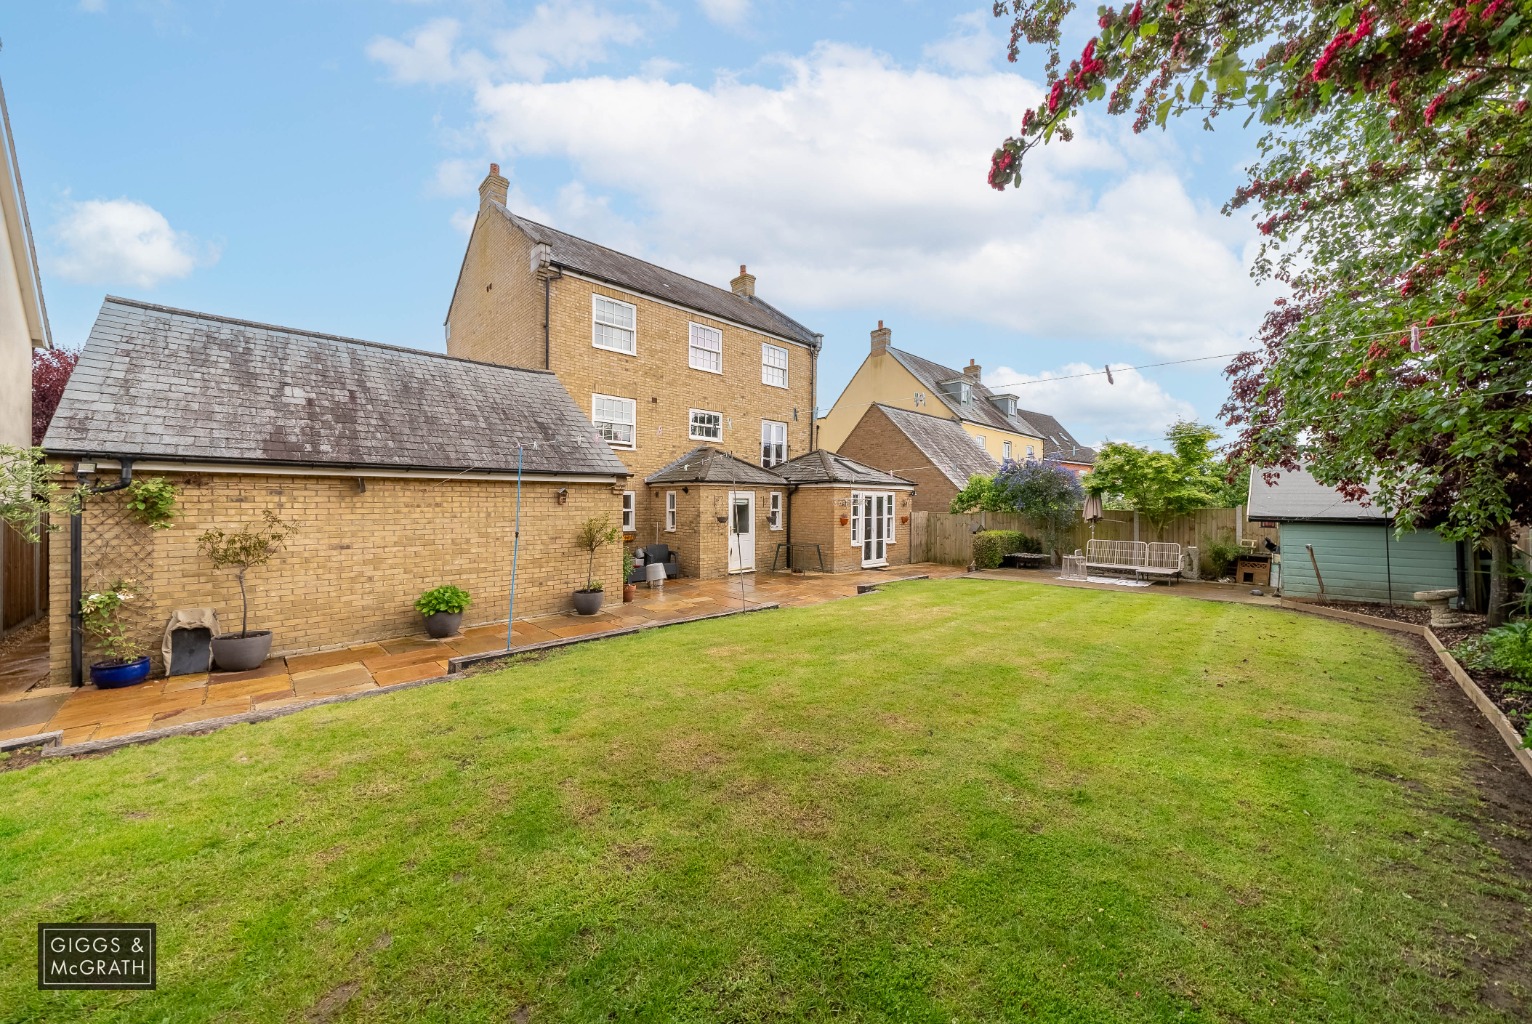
{"points": [[741, 531], [872, 525]]}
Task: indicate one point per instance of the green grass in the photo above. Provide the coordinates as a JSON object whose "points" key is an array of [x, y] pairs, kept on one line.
{"points": [[959, 800]]}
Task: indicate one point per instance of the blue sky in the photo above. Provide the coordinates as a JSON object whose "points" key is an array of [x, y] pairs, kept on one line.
{"points": [[315, 163]]}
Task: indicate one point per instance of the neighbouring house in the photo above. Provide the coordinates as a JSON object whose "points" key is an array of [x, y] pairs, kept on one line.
{"points": [[934, 452], [661, 363], [1353, 545], [23, 328], [993, 420], [398, 470]]}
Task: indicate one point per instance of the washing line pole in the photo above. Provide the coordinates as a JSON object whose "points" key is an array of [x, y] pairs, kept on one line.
{"points": [[510, 614]]}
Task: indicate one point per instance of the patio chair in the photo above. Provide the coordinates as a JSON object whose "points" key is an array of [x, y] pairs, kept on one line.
{"points": [[656, 554]]}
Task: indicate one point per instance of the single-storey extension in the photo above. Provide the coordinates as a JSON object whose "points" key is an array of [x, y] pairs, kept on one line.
{"points": [[1352, 546], [398, 471], [933, 452]]}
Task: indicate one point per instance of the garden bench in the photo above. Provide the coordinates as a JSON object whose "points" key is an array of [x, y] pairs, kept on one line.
{"points": [[1023, 560], [1154, 561]]}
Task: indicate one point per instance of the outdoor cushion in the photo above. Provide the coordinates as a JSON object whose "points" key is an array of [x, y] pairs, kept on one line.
{"points": [[656, 554]]}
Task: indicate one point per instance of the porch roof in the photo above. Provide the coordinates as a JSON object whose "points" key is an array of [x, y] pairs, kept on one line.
{"points": [[705, 465], [824, 467]]}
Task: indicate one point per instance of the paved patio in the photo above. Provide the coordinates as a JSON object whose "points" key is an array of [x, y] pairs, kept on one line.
{"points": [[91, 714]]}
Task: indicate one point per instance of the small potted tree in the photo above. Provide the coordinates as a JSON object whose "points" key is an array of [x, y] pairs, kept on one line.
{"points": [[125, 663], [443, 610], [243, 550], [629, 589], [595, 534]]}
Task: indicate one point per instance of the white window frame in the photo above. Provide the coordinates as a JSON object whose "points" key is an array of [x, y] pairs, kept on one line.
{"points": [[706, 354], [691, 425], [765, 426], [629, 515], [631, 423], [964, 392], [770, 367], [1029, 452], [774, 510], [1006, 448], [670, 511], [599, 319], [978, 439]]}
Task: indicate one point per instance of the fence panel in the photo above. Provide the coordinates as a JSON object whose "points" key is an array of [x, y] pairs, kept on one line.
{"points": [[23, 579]]}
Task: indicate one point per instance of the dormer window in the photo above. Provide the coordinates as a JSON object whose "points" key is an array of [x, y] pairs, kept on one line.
{"points": [[960, 390], [1005, 403]]}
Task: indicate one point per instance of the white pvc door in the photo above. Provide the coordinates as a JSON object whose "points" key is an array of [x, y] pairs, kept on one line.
{"points": [[872, 525], [741, 531]]}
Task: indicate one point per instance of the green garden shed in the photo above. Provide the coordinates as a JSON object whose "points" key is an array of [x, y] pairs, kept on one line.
{"points": [[1353, 546]]}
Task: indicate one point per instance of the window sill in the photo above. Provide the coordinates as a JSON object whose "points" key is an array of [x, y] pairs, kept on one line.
{"points": [[704, 369], [619, 351]]}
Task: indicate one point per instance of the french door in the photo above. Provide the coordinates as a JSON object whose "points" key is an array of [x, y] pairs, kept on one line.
{"points": [[872, 525], [741, 531]]}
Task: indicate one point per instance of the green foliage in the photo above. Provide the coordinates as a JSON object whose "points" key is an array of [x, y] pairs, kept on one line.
{"points": [[29, 492], [1507, 648], [627, 564], [153, 502], [594, 534], [1221, 556], [446, 598], [245, 549], [989, 546], [1162, 485], [978, 496], [100, 617]]}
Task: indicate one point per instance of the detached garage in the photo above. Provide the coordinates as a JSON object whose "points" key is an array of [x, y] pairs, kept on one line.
{"points": [[1347, 547]]}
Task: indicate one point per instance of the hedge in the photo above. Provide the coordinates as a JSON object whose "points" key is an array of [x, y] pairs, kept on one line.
{"points": [[990, 545]]}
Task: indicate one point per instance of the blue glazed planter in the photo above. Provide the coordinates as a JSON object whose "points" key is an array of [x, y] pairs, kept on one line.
{"points": [[110, 677]]}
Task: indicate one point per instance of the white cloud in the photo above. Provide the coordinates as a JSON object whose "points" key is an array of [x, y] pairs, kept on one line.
{"points": [[1130, 407], [559, 34], [123, 241], [725, 12], [970, 47]]}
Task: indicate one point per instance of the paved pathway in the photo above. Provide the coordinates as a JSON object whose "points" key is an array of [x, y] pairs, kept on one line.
{"points": [[91, 714]]}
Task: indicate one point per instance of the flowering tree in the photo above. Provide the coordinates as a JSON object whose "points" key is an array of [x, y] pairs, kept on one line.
{"points": [[1391, 191], [1047, 492], [51, 368]]}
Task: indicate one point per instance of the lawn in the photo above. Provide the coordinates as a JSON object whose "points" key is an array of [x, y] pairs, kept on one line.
{"points": [[961, 800]]}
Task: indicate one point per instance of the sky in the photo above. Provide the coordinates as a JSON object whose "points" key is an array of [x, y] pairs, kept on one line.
{"points": [[315, 164]]}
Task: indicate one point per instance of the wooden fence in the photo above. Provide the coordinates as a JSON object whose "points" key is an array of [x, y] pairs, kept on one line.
{"points": [[23, 579], [948, 538]]}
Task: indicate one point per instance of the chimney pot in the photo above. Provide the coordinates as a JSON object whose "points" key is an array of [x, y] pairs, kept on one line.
{"points": [[494, 188], [494, 168], [744, 284], [880, 339]]}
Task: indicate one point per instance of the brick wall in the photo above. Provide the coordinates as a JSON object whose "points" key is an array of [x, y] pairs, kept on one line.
{"points": [[496, 314], [877, 442], [356, 563], [816, 517]]}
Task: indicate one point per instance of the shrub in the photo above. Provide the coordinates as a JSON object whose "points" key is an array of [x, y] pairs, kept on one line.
{"points": [[446, 598], [989, 546], [1221, 556], [1506, 648], [100, 617]]}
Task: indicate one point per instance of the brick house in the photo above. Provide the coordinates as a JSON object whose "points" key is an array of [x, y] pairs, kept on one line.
{"points": [[993, 421], [661, 363], [397, 469], [934, 452], [23, 317]]}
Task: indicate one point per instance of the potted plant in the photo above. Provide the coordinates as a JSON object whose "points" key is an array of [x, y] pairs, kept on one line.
{"points": [[243, 550], [125, 663], [629, 589], [443, 609], [595, 534]]}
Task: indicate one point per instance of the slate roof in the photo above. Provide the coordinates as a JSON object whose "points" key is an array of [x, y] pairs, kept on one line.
{"points": [[933, 375], [949, 447], [1058, 442], [1298, 496], [634, 274], [822, 467], [705, 465], [155, 382]]}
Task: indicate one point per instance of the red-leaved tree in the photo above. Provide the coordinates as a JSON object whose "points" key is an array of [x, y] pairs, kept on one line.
{"points": [[51, 368]]}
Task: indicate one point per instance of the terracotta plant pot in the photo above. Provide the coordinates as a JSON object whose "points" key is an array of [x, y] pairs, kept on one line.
{"points": [[629, 592], [441, 625], [844, 520], [588, 602], [235, 652], [110, 675]]}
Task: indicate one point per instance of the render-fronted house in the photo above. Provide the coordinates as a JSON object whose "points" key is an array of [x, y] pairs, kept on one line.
{"points": [[23, 317], [396, 468], [1352, 546], [935, 453], [993, 420], [659, 362]]}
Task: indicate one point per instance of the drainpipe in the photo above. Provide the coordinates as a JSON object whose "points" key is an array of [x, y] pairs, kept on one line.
{"points": [[549, 273], [77, 556], [819, 341], [787, 514]]}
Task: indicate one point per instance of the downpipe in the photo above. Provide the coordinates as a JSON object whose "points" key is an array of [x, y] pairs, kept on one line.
{"points": [[77, 557]]}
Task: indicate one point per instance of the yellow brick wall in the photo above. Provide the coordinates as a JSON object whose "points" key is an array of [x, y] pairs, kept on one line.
{"points": [[876, 442], [357, 561], [816, 516], [496, 314], [700, 541]]}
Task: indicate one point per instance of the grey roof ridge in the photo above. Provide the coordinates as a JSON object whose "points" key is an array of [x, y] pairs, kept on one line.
{"points": [[317, 335], [912, 412], [959, 375], [532, 226]]}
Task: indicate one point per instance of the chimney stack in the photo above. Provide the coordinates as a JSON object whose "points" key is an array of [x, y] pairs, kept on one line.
{"points": [[494, 188], [744, 284], [880, 339], [971, 371]]}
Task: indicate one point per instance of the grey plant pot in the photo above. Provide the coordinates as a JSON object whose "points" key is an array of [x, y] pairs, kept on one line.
{"points": [[588, 602], [443, 624], [235, 653]]}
